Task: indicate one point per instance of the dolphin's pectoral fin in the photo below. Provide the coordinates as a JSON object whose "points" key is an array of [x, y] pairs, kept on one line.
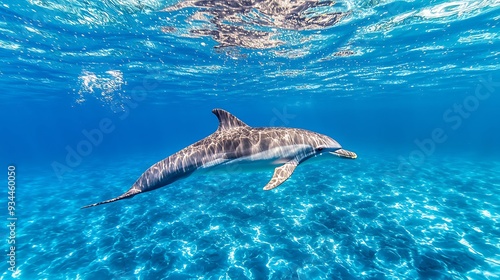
{"points": [[281, 174], [344, 154]]}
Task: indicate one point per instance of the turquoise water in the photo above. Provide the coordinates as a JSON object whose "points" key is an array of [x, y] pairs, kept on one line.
{"points": [[411, 87], [357, 223]]}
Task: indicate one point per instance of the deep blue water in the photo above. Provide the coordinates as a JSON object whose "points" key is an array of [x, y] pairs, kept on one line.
{"points": [[411, 86]]}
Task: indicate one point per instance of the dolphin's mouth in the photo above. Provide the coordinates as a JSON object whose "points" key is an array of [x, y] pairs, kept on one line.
{"points": [[344, 154]]}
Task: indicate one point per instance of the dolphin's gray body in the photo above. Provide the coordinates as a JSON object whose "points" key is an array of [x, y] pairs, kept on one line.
{"points": [[234, 142]]}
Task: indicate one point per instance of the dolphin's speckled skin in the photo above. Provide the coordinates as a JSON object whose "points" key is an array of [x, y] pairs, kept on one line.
{"points": [[235, 142]]}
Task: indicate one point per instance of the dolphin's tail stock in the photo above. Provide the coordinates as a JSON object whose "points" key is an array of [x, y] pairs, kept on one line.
{"points": [[129, 194]]}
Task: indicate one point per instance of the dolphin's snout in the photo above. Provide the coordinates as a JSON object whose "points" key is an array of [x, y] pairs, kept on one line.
{"points": [[344, 154]]}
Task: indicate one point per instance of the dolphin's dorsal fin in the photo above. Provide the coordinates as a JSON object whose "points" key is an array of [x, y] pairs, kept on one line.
{"points": [[227, 120]]}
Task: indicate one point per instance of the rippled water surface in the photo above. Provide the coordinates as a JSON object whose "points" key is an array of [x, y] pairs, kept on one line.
{"points": [[92, 49], [410, 86]]}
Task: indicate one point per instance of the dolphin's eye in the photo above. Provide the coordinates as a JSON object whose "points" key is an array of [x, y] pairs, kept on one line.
{"points": [[320, 149]]}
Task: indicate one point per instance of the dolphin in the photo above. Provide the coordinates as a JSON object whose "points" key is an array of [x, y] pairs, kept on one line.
{"points": [[234, 142]]}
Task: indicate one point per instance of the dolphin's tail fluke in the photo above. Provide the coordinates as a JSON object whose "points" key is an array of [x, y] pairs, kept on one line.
{"points": [[129, 194]]}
